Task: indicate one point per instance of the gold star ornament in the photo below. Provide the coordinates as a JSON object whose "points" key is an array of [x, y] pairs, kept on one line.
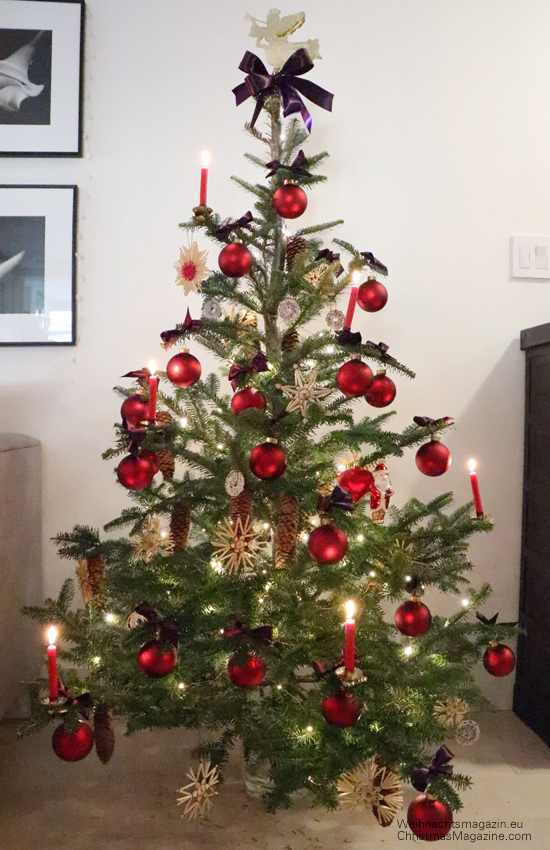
{"points": [[304, 392], [375, 786], [197, 796]]}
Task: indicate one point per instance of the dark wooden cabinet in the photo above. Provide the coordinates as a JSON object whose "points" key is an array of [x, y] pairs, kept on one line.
{"points": [[532, 688]]}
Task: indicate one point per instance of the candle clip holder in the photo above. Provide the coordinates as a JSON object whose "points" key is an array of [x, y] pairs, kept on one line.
{"points": [[201, 213], [349, 677], [57, 706]]}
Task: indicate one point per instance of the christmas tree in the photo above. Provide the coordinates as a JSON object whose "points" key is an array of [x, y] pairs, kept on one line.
{"points": [[261, 521]]}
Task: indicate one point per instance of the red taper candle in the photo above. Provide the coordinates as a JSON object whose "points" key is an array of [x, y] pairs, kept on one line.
{"points": [[52, 665], [204, 178], [356, 276], [475, 488], [153, 387], [349, 648]]}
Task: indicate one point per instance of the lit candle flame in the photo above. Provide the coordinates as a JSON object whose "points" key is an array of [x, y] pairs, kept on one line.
{"points": [[350, 610], [205, 158], [52, 636], [472, 465], [356, 277], [152, 366]]}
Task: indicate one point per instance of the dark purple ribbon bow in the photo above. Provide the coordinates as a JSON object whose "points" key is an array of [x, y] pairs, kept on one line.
{"points": [[346, 337], [373, 263], [381, 347], [424, 421], [258, 364], [141, 374], [298, 168], [339, 498], [190, 326], [492, 621], [422, 776], [137, 437], [330, 257], [260, 635], [244, 221], [166, 629], [83, 702], [323, 668], [259, 84]]}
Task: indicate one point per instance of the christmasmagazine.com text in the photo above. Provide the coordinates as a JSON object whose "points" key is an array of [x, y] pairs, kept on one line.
{"points": [[489, 830]]}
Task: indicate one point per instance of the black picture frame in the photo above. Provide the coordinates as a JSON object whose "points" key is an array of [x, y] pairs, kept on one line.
{"points": [[42, 66], [38, 231]]}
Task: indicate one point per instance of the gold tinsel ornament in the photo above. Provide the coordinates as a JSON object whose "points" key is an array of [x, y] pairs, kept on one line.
{"points": [[197, 796], [375, 786], [304, 392], [238, 546], [153, 539], [451, 712]]}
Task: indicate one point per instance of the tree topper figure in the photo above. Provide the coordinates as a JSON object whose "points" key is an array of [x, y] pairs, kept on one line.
{"points": [[272, 36]]}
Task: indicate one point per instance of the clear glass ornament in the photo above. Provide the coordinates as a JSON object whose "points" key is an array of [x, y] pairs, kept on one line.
{"points": [[335, 320], [289, 309], [467, 732], [212, 309]]}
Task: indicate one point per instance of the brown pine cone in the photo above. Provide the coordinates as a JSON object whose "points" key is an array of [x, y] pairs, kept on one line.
{"points": [[164, 418], [180, 522], [91, 574], [286, 532], [167, 464], [295, 245], [104, 733], [240, 507], [291, 341]]}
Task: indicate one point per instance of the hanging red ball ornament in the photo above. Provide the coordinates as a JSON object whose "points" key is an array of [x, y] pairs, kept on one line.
{"points": [[499, 660], [249, 397], [354, 378], [413, 618], [382, 392], [372, 295], [356, 481], [433, 458], [327, 544], [157, 658], [267, 461], [341, 710], [428, 818], [134, 410], [135, 473], [247, 675], [235, 260], [152, 458], [290, 201], [73, 746], [183, 370]]}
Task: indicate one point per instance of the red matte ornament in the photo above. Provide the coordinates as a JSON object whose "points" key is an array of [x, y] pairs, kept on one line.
{"points": [[73, 746], [372, 295], [248, 675], [157, 658], [341, 710], [356, 481], [290, 201], [413, 618], [433, 458], [428, 818], [382, 391], [134, 409], [235, 260], [354, 378], [499, 659], [267, 461], [327, 544], [249, 397], [135, 473], [183, 370]]}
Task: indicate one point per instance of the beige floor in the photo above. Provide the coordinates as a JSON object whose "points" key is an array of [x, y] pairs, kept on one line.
{"points": [[46, 804]]}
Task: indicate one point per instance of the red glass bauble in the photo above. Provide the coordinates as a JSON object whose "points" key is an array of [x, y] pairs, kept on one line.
{"points": [[372, 295], [341, 710], [327, 544], [499, 660], [183, 370], [428, 818], [354, 378], [249, 674], [290, 201], [134, 409], [73, 746], [249, 397], [235, 260], [382, 391], [413, 618], [267, 461], [356, 481], [135, 473], [157, 658], [433, 458], [152, 458]]}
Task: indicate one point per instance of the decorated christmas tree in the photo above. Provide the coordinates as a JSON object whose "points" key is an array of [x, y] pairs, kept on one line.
{"points": [[264, 590]]}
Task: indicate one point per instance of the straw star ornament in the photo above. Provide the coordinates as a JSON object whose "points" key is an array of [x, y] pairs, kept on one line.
{"points": [[375, 786], [304, 392], [238, 545], [197, 796], [191, 268]]}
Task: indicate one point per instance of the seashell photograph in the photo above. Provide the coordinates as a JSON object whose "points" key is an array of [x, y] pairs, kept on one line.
{"points": [[25, 76]]}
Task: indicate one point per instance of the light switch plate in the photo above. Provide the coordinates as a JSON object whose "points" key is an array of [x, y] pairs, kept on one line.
{"points": [[530, 257]]}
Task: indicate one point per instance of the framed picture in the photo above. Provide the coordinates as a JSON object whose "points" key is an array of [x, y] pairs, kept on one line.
{"points": [[37, 265], [41, 53]]}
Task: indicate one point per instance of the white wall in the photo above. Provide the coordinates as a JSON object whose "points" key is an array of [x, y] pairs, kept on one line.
{"points": [[439, 142]]}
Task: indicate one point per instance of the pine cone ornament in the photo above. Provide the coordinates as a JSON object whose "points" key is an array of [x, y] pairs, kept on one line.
{"points": [[295, 245], [291, 341], [286, 532], [240, 507], [91, 574], [164, 418], [180, 522], [104, 734], [165, 458]]}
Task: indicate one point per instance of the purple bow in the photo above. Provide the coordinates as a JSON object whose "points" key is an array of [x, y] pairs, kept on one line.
{"points": [[83, 703], [298, 168], [381, 347], [189, 326], [330, 257], [339, 498], [262, 634], [425, 421], [373, 263], [346, 337], [422, 776], [244, 221], [259, 84], [258, 364], [140, 374], [138, 436], [166, 629]]}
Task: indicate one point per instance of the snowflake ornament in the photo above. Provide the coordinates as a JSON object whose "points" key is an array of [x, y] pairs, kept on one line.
{"points": [[234, 483], [335, 319], [212, 309], [191, 268], [238, 546], [197, 796], [451, 712], [375, 786], [153, 539], [305, 392], [289, 309]]}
